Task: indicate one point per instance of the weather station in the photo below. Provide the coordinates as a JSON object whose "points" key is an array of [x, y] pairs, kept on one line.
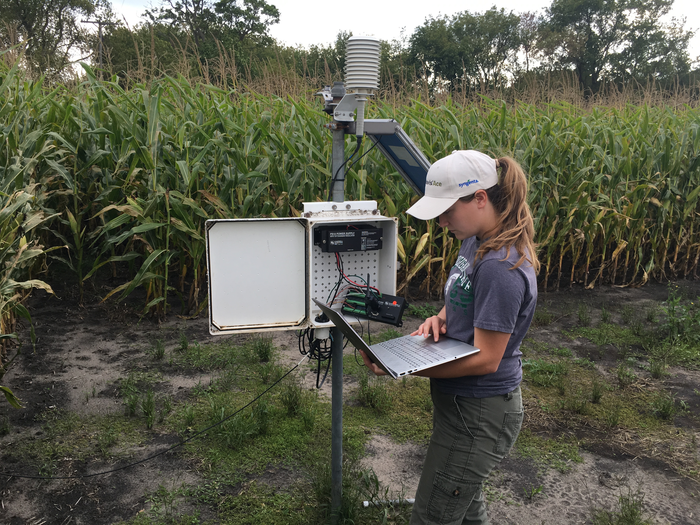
{"points": [[265, 273]]}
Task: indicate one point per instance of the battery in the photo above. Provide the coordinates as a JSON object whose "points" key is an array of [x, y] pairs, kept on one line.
{"points": [[348, 238]]}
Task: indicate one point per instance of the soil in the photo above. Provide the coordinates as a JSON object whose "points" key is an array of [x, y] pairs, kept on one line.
{"points": [[82, 350]]}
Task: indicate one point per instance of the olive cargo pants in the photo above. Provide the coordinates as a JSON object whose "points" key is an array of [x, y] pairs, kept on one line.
{"points": [[470, 437]]}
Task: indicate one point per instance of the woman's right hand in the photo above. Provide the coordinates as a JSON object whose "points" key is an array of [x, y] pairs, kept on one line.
{"points": [[435, 325]]}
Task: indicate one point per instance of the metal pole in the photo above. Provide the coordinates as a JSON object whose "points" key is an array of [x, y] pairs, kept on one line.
{"points": [[337, 424], [338, 167], [337, 352]]}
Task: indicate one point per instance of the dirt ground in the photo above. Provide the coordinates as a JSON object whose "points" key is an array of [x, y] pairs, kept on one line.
{"points": [[82, 350]]}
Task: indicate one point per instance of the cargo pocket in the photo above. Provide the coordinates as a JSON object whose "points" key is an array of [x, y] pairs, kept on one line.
{"points": [[509, 432], [450, 499]]}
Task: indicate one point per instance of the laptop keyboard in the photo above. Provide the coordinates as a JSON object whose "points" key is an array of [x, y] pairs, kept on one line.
{"points": [[416, 352]]}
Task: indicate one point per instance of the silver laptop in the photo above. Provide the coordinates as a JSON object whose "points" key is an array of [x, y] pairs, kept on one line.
{"points": [[403, 355]]}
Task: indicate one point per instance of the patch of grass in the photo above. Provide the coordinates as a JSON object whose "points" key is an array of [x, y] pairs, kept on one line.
{"points": [[542, 317], [157, 350], [627, 314], [606, 334], [531, 346], [625, 374], [182, 342], [629, 511], [384, 335], [577, 403], [664, 406], [584, 314], [544, 373], [657, 368], [611, 416], [422, 311], [682, 321], [372, 392], [558, 453], [148, 408], [65, 434], [597, 390], [562, 352], [263, 349], [584, 362]]}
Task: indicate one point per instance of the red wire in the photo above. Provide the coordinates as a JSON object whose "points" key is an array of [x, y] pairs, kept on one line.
{"points": [[337, 262]]}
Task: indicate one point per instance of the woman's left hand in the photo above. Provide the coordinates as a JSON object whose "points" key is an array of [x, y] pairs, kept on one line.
{"points": [[369, 364]]}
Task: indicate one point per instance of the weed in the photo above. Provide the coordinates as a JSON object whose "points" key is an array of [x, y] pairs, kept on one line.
{"points": [[630, 511], [4, 426], [597, 391], [166, 406], [532, 491], [682, 319], [263, 349], [542, 317], [584, 362], [384, 335], [657, 368], [308, 415], [270, 372], [543, 373], [262, 412], [182, 342], [148, 407], [584, 315], [292, 396], [237, 430], [611, 417], [128, 386], [605, 316], [664, 405], [422, 311], [106, 440], [578, 403], [131, 404], [562, 352], [627, 314], [188, 416], [625, 375], [158, 350], [557, 453], [605, 334], [373, 393], [650, 314]]}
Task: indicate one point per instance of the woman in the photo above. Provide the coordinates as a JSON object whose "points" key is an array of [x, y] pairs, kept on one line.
{"points": [[490, 298]]}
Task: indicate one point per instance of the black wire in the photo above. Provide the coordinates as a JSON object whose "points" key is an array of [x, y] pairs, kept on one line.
{"points": [[335, 177], [374, 145], [10, 474], [318, 350]]}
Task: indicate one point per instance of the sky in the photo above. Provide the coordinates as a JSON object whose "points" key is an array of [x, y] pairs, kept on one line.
{"points": [[307, 22]]}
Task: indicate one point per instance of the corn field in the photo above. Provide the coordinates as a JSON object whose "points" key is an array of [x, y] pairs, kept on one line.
{"points": [[98, 180]]}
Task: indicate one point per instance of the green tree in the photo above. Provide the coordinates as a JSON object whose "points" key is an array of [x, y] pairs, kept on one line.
{"points": [[49, 31], [472, 49], [246, 19], [227, 22], [614, 39]]}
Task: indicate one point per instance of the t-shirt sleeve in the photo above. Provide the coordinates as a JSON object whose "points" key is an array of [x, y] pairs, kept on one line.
{"points": [[498, 295]]}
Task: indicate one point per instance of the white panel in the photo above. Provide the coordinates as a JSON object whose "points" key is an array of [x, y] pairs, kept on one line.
{"points": [[257, 274]]}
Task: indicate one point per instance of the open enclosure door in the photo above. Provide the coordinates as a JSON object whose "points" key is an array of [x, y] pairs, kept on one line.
{"points": [[257, 274]]}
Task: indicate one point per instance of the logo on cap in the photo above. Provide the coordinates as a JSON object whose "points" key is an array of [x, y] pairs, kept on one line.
{"points": [[433, 183], [468, 183]]}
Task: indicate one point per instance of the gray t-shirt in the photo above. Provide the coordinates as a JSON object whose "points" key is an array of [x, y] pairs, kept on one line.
{"points": [[488, 294]]}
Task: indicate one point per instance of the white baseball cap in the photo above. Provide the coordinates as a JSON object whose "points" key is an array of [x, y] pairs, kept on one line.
{"points": [[459, 174]]}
